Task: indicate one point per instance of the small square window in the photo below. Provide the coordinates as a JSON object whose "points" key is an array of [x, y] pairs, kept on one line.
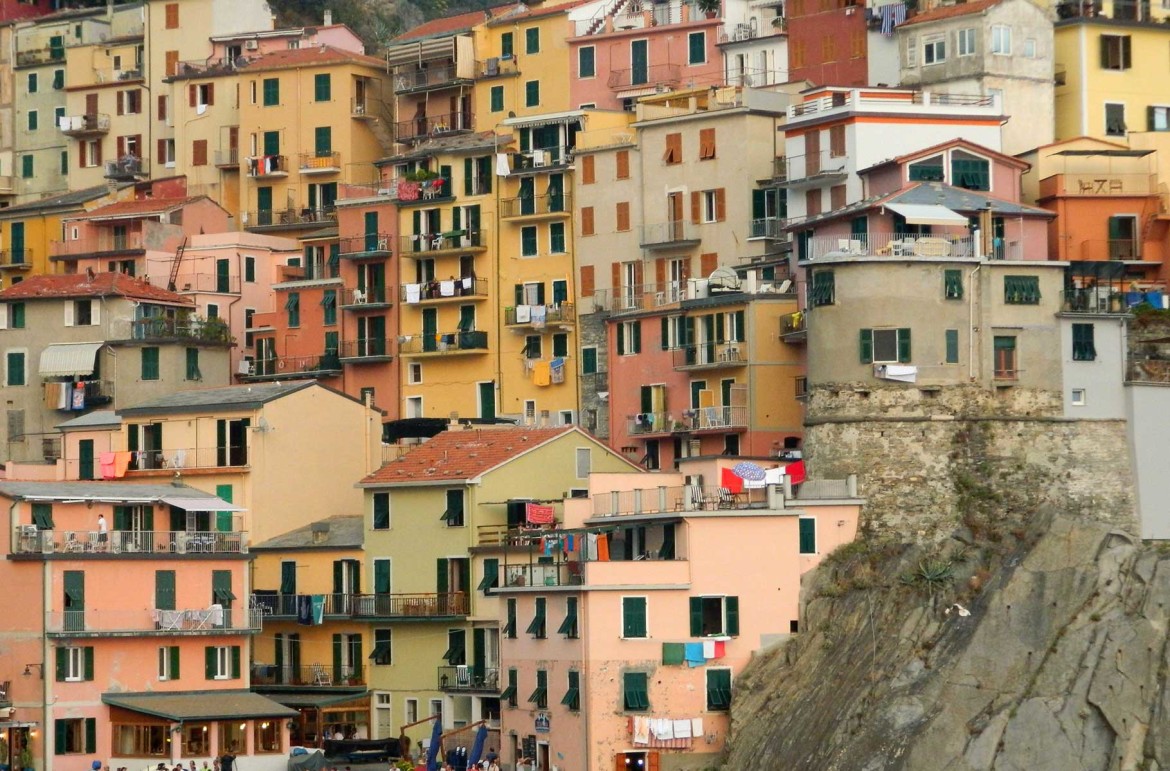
{"points": [[1078, 397]]}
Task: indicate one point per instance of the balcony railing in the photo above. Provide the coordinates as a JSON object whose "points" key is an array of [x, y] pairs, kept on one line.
{"points": [[903, 245], [104, 244], [281, 217], [556, 574], [228, 158], [222, 65], [767, 227], [1120, 249], [40, 56], [793, 324], [674, 499], [449, 289], [539, 315], [418, 79], [443, 343], [425, 127], [666, 234], [321, 162], [818, 167], [268, 166], [357, 298], [233, 456], [205, 620], [128, 167], [19, 259], [494, 67], [451, 239], [206, 282], [541, 158], [409, 191], [688, 421], [710, 355], [469, 678], [549, 203], [130, 542], [652, 75], [369, 348], [311, 674], [345, 604], [324, 365], [368, 246], [201, 330], [84, 125]]}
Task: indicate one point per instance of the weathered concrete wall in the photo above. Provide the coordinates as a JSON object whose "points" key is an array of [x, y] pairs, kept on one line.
{"points": [[593, 412], [924, 458]]}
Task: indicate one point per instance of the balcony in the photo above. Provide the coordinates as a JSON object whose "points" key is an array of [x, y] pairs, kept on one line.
{"points": [[228, 159], [16, 259], [418, 79], [211, 331], [92, 125], [449, 290], [439, 244], [808, 170], [675, 234], [794, 327], [315, 675], [771, 228], [409, 191], [365, 109], [697, 420], [288, 218], [525, 317], [268, 166], [369, 298], [1104, 184], [206, 282], [645, 77], [223, 65], [536, 207], [97, 392], [904, 245], [35, 56], [1110, 249], [368, 606], [433, 126], [540, 160], [710, 356], [469, 679], [540, 574], [366, 351], [669, 500], [128, 168], [324, 365], [371, 246], [104, 245], [443, 344], [197, 621], [321, 162], [129, 542]]}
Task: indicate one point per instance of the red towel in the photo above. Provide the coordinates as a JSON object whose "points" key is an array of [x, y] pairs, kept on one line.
{"points": [[720, 649], [732, 481], [602, 548], [795, 471]]}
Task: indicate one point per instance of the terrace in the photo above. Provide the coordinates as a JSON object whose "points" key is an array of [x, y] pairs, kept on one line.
{"points": [[368, 606], [213, 620], [75, 543], [443, 344], [691, 421]]}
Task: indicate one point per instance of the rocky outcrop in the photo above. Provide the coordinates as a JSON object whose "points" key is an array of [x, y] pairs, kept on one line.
{"points": [[1043, 646]]}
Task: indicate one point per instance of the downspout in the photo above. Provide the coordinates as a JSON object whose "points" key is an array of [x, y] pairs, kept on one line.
{"points": [[971, 320], [499, 389]]}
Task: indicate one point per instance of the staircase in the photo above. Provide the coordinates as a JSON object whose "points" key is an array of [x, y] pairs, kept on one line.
{"points": [[598, 23], [172, 282]]}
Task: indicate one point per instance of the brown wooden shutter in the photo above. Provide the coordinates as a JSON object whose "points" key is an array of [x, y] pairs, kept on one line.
{"points": [[623, 164], [660, 271], [720, 204], [210, 94], [160, 151], [707, 143], [638, 275], [616, 277], [172, 63], [81, 154], [587, 177], [98, 155], [587, 220], [588, 282], [162, 108], [191, 95], [91, 104], [172, 20], [696, 207], [121, 103], [121, 145], [623, 216], [199, 152], [708, 262]]}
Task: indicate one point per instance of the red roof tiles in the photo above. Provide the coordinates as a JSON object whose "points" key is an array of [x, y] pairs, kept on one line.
{"points": [[80, 285], [951, 11], [458, 455], [140, 207], [311, 56], [456, 23]]}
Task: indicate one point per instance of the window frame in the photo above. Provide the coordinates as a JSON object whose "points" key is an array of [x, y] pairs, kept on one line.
{"points": [[719, 706], [1084, 342], [628, 630], [592, 62], [965, 42], [1001, 40], [934, 50], [642, 681]]}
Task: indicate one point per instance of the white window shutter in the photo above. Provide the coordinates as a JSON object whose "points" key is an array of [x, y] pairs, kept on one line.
{"points": [[68, 313], [95, 312], [3, 315]]}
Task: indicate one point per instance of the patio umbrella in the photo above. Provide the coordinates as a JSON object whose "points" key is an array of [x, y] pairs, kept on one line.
{"points": [[748, 471], [433, 750], [477, 746]]}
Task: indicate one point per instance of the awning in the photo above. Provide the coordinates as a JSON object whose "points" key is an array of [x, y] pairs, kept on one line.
{"points": [[547, 119], [68, 359], [927, 214], [199, 705], [319, 699], [632, 93], [210, 503]]}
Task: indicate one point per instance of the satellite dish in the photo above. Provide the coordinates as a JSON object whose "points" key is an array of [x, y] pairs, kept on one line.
{"points": [[723, 278]]}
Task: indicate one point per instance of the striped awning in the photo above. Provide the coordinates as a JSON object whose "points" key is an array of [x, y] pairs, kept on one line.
{"points": [[68, 359]]}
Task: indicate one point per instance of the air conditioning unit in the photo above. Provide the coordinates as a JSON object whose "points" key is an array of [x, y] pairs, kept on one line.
{"points": [[251, 45]]}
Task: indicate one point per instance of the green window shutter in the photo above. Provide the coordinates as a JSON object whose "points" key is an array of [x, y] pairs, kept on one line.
{"points": [[740, 327], [866, 346], [586, 62], [697, 45], [904, 345], [718, 689], [150, 370], [323, 140], [322, 88], [288, 577], [556, 236], [497, 99], [621, 339], [60, 736], [510, 626], [536, 627], [572, 698], [26, 166], [193, 364], [468, 165], [221, 587], [209, 662], [509, 694], [528, 246], [635, 697], [173, 652], [336, 658], [808, 535], [441, 575], [731, 608], [532, 93], [381, 511], [271, 92], [1084, 348], [532, 40], [16, 369], [696, 608], [633, 617], [953, 284], [272, 143], [278, 656], [506, 44], [952, 346], [491, 574], [164, 589], [62, 664], [560, 345], [91, 734], [568, 626], [235, 662], [588, 361], [636, 347], [381, 576]]}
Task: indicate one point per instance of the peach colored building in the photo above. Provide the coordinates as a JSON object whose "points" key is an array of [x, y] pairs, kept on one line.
{"points": [[624, 631], [131, 642]]}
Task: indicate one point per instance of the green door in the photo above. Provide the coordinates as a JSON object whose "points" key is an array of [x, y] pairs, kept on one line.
{"points": [[85, 459], [487, 400], [222, 282], [709, 339], [639, 63], [478, 657], [430, 328], [223, 519], [323, 141], [74, 601], [556, 192], [376, 336], [371, 231], [527, 196], [263, 206], [272, 143], [16, 233]]}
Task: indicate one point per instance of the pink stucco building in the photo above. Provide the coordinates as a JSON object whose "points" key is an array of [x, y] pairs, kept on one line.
{"points": [[625, 628]]}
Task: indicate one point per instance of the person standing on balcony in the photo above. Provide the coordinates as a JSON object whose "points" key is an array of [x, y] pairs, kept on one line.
{"points": [[103, 533]]}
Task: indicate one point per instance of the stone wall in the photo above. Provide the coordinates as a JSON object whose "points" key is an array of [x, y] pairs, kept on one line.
{"points": [[929, 462], [593, 412]]}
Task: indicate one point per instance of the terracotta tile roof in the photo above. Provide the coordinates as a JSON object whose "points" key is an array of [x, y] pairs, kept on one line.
{"points": [[80, 285], [450, 24], [951, 11], [142, 207], [526, 13], [311, 56], [458, 455]]}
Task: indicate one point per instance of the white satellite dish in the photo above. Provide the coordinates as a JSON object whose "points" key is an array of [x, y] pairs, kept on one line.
{"points": [[723, 278]]}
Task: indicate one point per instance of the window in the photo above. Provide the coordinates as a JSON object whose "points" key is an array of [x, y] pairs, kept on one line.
{"points": [[491, 575], [510, 624], [965, 42], [15, 371], [271, 92], [885, 346], [329, 306], [1021, 290], [1005, 357], [673, 152], [26, 167], [1082, 343], [199, 152], [837, 141], [622, 160], [824, 289], [150, 369], [1116, 52], [560, 345], [635, 696], [710, 206], [697, 48], [528, 241], [970, 172], [714, 616], [587, 221], [808, 535], [952, 343], [532, 40], [508, 695], [539, 695], [584, 462], [172, 16], [168, 662], [75, 736], [193, 372], [130, 102], [381, 514], [1030, 48], [322, 87], [250, 269], [532, 93], [453, 515], [16, 315], [33, 120], [718, 690], [382, 655], [1078, 397], [1001, 39], [222, 662], [32, 82], [568, 627], [293, 306], [634, 618], [497, 99], [1115, 119], [953, 284], [204, 94], [586, 62], [1157, 118], [556, 238], [934, 50], [506, 45], [75, 664], [572, 697], [537, 627], [629, 338]]}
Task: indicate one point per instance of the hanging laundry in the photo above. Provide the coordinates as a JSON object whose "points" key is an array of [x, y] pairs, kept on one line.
{"points": [[570, 543], [539, 314], [318, 605], [523, 314], [682, 728], [641, 730], [730, 480], [121, 463], [502, 169], [537, 514], [891, 15], [673, 653], [106, 463], [541, 373], [693, 653], [720, 649], [77, 399], [708, 649], [447, 288], [591, 547], [696, 727], [663, 728], [603, 549], [304, 610], [556, 370]]}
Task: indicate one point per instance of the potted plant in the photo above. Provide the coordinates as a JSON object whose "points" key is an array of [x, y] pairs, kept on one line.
{"points": [[709, 7], [26, 759]]}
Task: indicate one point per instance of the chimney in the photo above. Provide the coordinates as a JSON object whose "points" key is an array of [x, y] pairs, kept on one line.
{"points": [[320, 531], [328, 17]]}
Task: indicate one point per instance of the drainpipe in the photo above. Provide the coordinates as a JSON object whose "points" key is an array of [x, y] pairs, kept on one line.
{"points": [[971, 322]]}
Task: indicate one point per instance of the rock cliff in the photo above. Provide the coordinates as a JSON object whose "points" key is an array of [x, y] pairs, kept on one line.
{"points": [[1035, 645]]}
